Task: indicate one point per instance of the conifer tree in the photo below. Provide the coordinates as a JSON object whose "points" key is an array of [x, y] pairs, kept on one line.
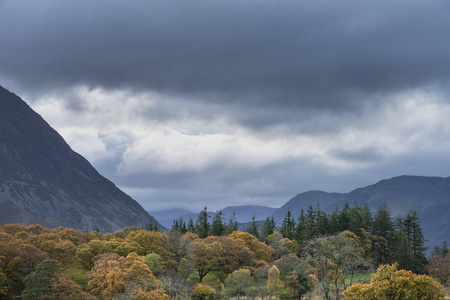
{"points": [[253, 228], [288, 226], [416, 240], [179, 225], [217, 226], [152, 225], [344, 218], [232, 224], [190, 225], [310, 229], [268, 228], [382, 222], [322, 221], [202, 226]]}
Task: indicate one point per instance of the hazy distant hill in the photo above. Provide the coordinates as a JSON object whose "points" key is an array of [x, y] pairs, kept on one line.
{"points": [[42, 180], [430, 195], [244, 213]]}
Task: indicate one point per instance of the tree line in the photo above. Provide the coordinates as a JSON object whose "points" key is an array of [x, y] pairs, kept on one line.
{"points": [[313, 254], [386, 240]]}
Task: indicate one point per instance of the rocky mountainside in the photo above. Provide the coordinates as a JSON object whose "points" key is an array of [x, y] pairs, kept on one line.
{"points": [[43, 181]]}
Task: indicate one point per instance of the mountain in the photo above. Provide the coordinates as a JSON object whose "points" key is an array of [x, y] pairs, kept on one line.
{"points": [[430, 195], [327, 202], [43, 181], [243, 214]]}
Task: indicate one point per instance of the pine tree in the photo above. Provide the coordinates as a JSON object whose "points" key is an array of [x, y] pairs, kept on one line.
{"points": [[232, 224], [267, 228], [344, 218], [382, 222], [287, 228], [179, 225], [253, 228], [367, 218], [310, 229], [202, 226], [322, 221], [190, 225], [355, 219], [416, 240], [152, 225], [217, 226]]}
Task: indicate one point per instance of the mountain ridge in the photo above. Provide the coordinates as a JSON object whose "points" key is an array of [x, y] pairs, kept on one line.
{"points": [[43, 181]]}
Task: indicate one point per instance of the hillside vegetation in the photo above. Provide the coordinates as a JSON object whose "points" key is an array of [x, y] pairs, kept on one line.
{"points": [[318, 255]]}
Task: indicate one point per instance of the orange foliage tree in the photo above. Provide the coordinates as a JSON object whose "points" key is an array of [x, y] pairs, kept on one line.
{"points": [[259, 249]]}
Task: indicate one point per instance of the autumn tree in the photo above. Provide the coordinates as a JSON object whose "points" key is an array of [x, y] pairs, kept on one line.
{"points": [[391, 283], [109, 275], [274, 284], [439, 268], [334, 257], [85, 253], [239, 281], [259, 249], [202, 292], [64, 288]]}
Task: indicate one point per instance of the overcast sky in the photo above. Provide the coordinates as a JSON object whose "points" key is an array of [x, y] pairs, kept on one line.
{"points": [[205, 102]]}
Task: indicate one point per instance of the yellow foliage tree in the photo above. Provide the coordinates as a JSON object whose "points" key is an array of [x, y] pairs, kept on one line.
{"points": [[393, 284], [274, 283], [202, 291]]}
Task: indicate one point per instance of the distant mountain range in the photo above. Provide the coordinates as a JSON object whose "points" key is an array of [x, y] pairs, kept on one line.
{"points": [[43, 181], [430, 195]]}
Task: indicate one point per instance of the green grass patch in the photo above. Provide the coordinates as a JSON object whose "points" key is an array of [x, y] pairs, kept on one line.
{"points": [[78, 274]]}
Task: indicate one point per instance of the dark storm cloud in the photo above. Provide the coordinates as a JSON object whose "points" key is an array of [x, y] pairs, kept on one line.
{"points": [[319, 54]]}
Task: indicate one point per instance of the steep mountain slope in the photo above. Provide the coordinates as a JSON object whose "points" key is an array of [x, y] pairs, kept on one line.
{"points": [[42, 180]]}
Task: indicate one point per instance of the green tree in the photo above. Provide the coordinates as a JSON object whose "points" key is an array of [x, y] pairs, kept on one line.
{"points": [[202, 226], [416, 240], [39, 282], [287, 228], [441, 250], [253, 228], [179, 225], [217, 226], [154, 263], [344, 218], [335, 257], [232, 224], [382, 222], [152, 225], [267, 228], [190, 225], [239, 281]]}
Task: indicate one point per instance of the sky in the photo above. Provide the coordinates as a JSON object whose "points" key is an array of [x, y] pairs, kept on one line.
{"points": [[215, 103]]}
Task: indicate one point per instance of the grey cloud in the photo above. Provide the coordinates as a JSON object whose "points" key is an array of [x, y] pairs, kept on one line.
{"points": [[319, 54]]}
